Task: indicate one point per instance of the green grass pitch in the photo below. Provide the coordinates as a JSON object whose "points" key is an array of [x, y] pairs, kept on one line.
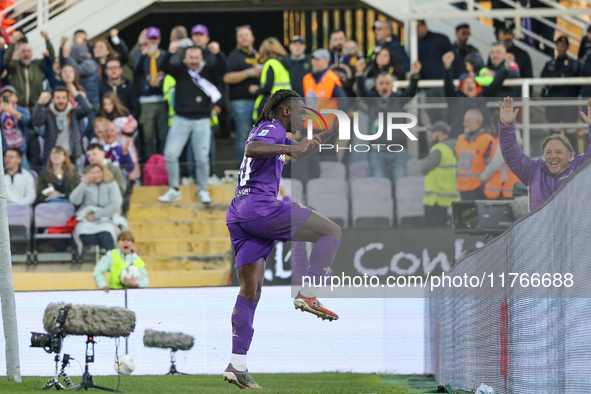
{"points": [[325, 383]]}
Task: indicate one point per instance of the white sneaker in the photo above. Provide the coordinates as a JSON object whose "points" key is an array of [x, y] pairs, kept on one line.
{"points": [[214, 180], [204, 197], [171, 195]]}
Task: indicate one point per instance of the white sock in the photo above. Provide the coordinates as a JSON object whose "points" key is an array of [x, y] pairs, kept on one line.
{"points": [[308, 291], [238, 361]]}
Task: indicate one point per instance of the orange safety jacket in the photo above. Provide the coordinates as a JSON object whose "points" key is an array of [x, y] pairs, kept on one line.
{"points": [[319, 95], [471, 160]]}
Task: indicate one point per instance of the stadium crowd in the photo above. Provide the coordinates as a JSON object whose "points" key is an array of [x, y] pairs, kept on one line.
{"points": [[79, 124]]}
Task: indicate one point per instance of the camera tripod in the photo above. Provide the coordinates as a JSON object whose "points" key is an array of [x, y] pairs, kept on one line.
{"points": [[54, 382], [87, 382], [173, 370]]}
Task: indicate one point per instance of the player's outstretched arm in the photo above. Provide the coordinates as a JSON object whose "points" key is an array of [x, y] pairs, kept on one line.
{"points": [[257, 149]]}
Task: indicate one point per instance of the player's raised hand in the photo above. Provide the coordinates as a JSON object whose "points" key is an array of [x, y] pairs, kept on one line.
{"points": [[507, 114], [587, 118]]}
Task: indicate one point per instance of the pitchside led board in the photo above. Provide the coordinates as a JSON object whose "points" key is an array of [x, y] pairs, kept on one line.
{"points": [[382, 252]]}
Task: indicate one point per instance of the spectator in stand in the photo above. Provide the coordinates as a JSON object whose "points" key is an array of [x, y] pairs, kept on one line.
{"points": [[105, 50], [562, 67], [212, 54], [335, 45], [78, 56], [116, 152], [300, 63], [98, 219], [61, 120], [388, 102], [542, 176], [345, 67], [432, 46], [585, 44], [149, 76], [125, 90], [384, 63], [274, 75], [14, 121], [385, 38], [81, 37], [95, 153], [24, 73], [243, 70], [499, 58], [439, 168], [462, 49], [111, 107], [195, 97], [70, 78], [20, 184], [469, 94], [505, 35], [474, 150], [115, 261], [58, 179]]}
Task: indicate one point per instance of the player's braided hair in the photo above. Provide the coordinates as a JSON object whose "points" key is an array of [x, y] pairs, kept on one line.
{"points": [[281, 98]]}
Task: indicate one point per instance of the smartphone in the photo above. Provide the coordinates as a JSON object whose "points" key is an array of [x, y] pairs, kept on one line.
{"points": [[5, 98]]}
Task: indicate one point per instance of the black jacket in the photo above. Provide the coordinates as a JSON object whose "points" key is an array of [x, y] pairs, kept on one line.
{"points": [[394, 103], [431, 49], [561, 67], [299, 68], [189, 101], [127, 94]]}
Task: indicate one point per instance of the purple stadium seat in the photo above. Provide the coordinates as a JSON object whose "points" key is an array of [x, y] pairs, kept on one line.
{"points": [[332, 169], [19, 215], [359, 169], [50, 215]]}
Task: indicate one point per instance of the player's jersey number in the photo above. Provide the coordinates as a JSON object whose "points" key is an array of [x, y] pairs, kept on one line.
{"points": [[245, 170]]}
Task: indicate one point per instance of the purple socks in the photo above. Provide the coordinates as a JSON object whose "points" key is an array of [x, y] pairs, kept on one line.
{"points": [[299, 262], [321, 258], [242, 330]]}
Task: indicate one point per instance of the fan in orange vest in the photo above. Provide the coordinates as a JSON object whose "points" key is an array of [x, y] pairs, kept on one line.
{"points": [[474, 150], [498, 179], [322, 85]]}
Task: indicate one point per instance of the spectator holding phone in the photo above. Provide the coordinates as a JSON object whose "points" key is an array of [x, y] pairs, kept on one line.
{"points": [[14, 121], [58, 179]]}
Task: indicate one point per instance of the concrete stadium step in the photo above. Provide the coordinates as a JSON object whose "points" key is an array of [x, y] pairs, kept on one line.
{"points": [[189, 246], [50, 281], [175, 212], [189, 263], [150, 194], [145, 231]]}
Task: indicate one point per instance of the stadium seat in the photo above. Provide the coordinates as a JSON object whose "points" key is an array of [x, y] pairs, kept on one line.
{"points": [[294, 189], [359, 169], [19, 223], [413, 167], [372, 211], [409, 200], [51, 215], [326, 187], [332, 169], [336, 207], [370, 186]]}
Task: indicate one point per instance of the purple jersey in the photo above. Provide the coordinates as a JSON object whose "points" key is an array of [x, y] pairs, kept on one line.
{"points": [[258, 183]]}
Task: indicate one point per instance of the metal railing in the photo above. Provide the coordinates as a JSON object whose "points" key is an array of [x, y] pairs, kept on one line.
{"points": [[42, 12], [526, 126]]}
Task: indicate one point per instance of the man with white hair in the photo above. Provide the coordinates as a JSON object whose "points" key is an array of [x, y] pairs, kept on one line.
{"points": [[473, 150], [25, 73]]}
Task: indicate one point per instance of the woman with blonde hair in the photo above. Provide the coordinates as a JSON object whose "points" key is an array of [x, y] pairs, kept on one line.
{"points": [[275, 73], [58, 179], [99, 221]]}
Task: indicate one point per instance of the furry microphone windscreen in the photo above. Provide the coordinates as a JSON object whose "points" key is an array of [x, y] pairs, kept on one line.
{"points": [[91, 320], [168, 340]]}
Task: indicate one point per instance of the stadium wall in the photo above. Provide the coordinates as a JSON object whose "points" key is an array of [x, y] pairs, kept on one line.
{"points": [[371, 335], [519, 338]]}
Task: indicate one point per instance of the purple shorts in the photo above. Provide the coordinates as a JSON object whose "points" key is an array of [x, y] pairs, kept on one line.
{"points": [[255, 239]]}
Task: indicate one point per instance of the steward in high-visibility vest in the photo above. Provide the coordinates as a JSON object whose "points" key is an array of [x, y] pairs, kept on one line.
{"points": [[472, 150], [440, 183], [274, 76], [169, 87], [503, 180], [116, 260]]}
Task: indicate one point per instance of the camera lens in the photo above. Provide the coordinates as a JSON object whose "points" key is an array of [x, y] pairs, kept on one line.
{"points": [[40, 340]]}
